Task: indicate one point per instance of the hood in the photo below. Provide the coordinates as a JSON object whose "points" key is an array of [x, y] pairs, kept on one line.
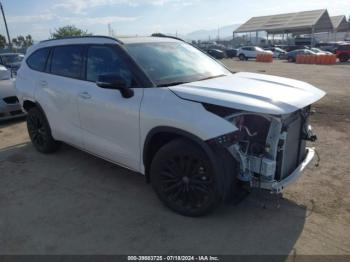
{"points": [[14, 65], [7, 88], [5, 74], [265, 52], [252, 92]]}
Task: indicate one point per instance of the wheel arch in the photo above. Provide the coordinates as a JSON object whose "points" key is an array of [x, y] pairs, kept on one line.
{"points": [[159, 136], [29, 104]]}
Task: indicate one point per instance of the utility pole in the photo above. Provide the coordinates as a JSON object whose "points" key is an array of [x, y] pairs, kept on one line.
{"points": [[109, 30], [218, 33], [7, 30]]}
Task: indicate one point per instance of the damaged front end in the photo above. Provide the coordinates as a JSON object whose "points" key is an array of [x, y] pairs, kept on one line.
{"points": [[270, 150]]}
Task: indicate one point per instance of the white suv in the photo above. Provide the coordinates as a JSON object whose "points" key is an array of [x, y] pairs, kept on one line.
{"points": [[162, 108], [246, 52]]}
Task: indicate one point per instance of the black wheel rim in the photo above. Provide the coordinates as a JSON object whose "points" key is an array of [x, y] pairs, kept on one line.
{"points": [[36, 130], [186, 182]]}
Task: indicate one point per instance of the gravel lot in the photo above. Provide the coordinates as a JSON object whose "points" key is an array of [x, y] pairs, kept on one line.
{"points": [[74, 203]]}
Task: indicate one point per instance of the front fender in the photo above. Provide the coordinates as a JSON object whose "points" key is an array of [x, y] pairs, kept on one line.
{"points": [[161, 107]]}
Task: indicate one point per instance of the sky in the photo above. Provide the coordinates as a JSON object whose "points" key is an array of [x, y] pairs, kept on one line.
{"points": [[143, 17]]}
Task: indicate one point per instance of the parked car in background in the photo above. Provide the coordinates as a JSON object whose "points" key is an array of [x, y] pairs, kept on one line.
{"points": [[216, 53], [12, 61], [290, 48], [343, 52], [231, 53], [329, 47], [319, 51], [9, 104], [162, 108], [292, 56], [277, 52], [247, 52]]}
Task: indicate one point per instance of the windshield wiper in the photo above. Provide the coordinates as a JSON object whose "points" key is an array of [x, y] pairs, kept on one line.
{"points": [[172, 84], [211, 77], [176, 83]]}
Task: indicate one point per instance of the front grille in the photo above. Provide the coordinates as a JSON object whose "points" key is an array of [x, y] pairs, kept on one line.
{"points": [[295, 148], [11, 100]]}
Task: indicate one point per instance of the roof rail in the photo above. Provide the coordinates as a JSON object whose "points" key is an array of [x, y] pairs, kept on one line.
{"points": [[167, 36], [87, 36]]}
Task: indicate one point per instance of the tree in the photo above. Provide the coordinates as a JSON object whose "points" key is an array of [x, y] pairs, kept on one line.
{"points": [[2, 41], [23, 42], [68, 31]]}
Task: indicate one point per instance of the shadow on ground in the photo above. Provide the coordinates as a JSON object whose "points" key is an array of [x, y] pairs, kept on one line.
{"points": [[74, 203], [12, 122]]}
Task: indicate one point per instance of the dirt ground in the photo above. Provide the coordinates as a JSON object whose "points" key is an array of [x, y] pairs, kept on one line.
{"points": [[74, 203]]}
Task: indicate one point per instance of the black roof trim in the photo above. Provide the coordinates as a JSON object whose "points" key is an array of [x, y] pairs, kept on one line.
{"points": [[168, 36], [82, 37]]}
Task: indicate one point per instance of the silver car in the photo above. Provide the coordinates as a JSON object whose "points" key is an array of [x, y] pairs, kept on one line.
{"points": [[9, 104]]}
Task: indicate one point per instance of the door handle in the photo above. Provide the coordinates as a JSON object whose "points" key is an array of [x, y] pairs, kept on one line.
{"points": [[43, 83], [85, 95]]}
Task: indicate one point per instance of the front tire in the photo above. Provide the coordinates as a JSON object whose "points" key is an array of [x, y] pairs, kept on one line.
{"points": [[242, 57], [184, 179], [40, 132]]}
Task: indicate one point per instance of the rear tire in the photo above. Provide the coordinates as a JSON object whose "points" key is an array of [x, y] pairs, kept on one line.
{"points": [[184, 179], [40, 132]]}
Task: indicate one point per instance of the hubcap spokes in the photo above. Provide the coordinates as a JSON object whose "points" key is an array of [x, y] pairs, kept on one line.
{"points": [[185, 181], [36, 130]]}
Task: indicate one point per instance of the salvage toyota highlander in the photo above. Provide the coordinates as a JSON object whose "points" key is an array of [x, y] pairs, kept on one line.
{"points": [[162, 108]]}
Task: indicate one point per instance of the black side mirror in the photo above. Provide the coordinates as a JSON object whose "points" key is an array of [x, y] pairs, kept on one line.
{"points": [[115, 82]]}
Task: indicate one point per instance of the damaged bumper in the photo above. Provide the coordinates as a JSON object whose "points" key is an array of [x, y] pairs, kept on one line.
{"points": [[278, 187], [271, 151]]}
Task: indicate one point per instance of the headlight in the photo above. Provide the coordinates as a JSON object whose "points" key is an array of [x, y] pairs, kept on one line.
{"points": [[225, 140]]}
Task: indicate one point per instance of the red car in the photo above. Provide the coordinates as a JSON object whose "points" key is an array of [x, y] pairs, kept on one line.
{"points": [[343, 52]]}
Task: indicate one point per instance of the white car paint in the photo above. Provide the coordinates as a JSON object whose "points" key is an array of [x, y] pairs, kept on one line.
{"points": [[105, 124], [252, 92], [7, 89], [5, 74], [277, 52], [251, 51]]}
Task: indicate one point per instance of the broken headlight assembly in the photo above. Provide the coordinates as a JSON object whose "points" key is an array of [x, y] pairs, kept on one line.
{"points": [[268, 148]]}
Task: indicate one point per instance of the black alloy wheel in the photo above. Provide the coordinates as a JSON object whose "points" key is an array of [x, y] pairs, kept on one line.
{"points": [[40, 132], [183, 178]]}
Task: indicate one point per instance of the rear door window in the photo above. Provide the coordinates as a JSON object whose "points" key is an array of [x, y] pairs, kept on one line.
{"points": [[37, 61], [68, 61]]}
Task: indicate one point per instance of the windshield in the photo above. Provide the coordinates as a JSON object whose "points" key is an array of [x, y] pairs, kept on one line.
{"points": [[316, 50], [11, 59], [174, 63]]}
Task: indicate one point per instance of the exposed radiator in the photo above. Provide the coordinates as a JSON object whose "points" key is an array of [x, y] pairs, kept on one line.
{"points": [[294, 149]]}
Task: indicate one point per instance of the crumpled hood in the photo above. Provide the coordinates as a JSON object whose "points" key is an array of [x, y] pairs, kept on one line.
{"points": [[252, 92]]}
